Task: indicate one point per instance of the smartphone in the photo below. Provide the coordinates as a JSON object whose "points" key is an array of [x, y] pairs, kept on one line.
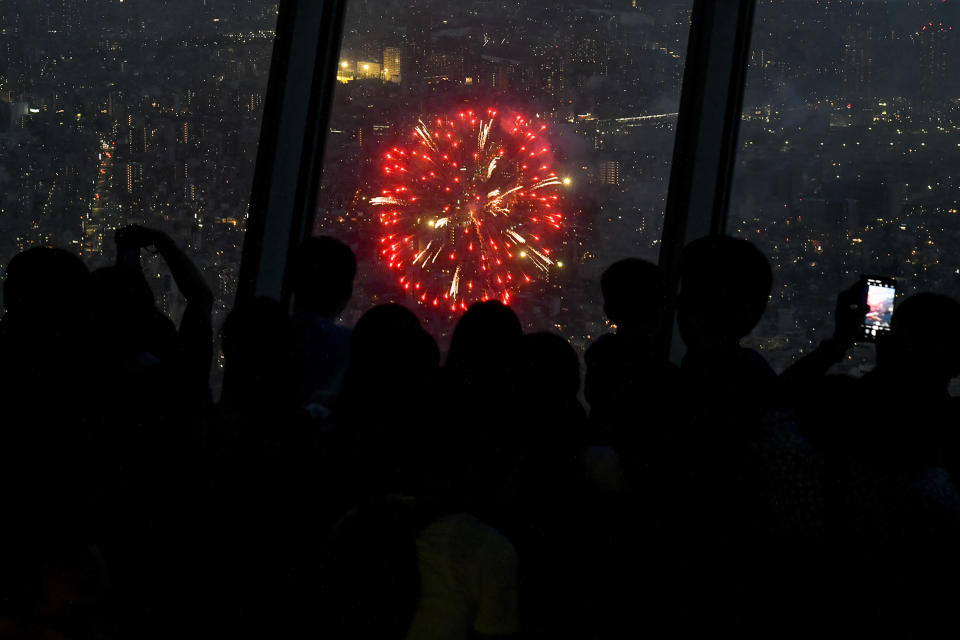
{"points": [[879, 293]]}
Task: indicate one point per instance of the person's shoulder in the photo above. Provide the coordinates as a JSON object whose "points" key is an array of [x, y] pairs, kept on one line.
{"points": [[756, 364], [467, 532], [602, 347], [317, 328]]}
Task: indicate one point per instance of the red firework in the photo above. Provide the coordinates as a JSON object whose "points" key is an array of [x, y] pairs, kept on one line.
{"points": [[469, 208]]}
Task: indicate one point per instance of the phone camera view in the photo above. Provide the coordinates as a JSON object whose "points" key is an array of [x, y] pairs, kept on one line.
{"points": [[880, 297]]}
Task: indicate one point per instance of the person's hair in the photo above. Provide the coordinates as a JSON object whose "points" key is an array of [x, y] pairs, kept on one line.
{"points": [[387, 335], [323, 273], [115, 287], [392, 360], [43, 278], [484, 331], [557, 365], [634, 290], [728, 276], [923, 336]]}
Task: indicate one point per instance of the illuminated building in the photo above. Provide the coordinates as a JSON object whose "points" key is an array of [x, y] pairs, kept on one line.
{"points": [[392, 64], [350, 70], [134, 177], [367, 70], [610, 172], [347, 71]]}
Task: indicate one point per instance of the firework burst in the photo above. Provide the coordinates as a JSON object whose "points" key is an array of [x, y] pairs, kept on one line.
{"points": [[468, 208]]}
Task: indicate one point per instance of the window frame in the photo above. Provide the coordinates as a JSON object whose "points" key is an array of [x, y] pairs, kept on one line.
{"points": [[297, 109], [292, 137]]}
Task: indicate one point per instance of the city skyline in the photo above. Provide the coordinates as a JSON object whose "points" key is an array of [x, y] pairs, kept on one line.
{"points": [[149, 112]]}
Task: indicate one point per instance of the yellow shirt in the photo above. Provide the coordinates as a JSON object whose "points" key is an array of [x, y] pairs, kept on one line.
{"points": [[468, 581]]}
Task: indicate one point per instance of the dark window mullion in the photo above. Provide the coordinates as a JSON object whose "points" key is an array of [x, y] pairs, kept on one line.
{"points": [[293, 132], [707, 126]]}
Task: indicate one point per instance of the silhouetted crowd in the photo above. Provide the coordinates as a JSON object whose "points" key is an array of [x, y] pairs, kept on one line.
{"points": [[352, 483]]}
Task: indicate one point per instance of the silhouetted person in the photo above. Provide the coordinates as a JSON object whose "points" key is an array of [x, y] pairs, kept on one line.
{"points": [[151, 382], [384, 412], [323, 273], [486, 336], [804, 386], [264, 480], [143, 348], [714, 518], [412, 564], [568, 523], [259, 377], [42, 332], [44, 294], [482, 395], [724, 286], [894, 510], [44, 351], [629, 383], [401, 568]]}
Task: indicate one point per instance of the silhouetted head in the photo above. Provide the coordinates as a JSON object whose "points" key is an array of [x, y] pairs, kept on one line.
{"points": [[323, 273], [120, 290], [724, 286], [635, 295], [924, 339], [391, 372], [123, 313], [43, 281], [486, 340], [390, 348], [553, 367]]}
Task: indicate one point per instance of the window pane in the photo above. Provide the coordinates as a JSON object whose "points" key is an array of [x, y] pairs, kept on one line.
{"points": [[558, 166], [114, 112], [847, 153]]}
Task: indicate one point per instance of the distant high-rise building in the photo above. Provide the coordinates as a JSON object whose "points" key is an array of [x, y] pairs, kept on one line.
{"points": [[856, 68], [134, 177], [392, 64], [66, 16], [137, 141], [934, 61], [610, 172]]}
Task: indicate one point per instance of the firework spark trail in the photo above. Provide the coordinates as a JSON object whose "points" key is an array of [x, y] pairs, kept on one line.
{"points": [[543, 262], [421, 254], [455, 285], [424, 132], [493, 165], [460, 213], [546, 183], [484, 133]]}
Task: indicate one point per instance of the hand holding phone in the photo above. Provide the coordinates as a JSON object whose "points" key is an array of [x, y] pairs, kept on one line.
{"points": [[850, 308], [130, 240], [135, 236], [879, 294]]}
